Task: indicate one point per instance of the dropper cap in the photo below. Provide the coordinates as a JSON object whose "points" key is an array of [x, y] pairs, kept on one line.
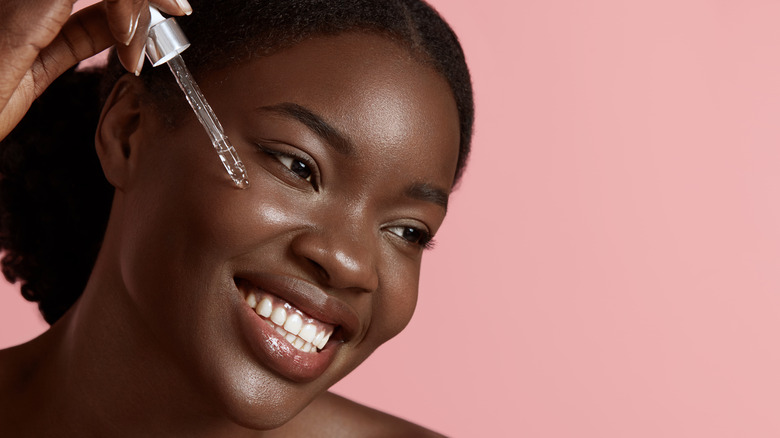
{"points": [[165, 39]]}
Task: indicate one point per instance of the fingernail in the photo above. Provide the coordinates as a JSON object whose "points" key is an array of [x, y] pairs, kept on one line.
{"points": [[132, 29], [185, 6], [140, 64]]}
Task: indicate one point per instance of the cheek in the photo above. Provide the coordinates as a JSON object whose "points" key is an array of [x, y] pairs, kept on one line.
{"points": [[260, 217], [169, 254], [395, 301], [203, 216]]}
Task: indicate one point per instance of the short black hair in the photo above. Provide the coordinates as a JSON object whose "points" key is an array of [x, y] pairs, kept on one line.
{"points": [[54, 199]]}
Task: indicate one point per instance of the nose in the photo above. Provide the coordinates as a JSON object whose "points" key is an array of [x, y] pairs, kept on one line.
{"points": [[341, 256]]}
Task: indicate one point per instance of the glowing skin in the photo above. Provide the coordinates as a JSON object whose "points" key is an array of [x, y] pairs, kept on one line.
{"points": [[164, 328]]}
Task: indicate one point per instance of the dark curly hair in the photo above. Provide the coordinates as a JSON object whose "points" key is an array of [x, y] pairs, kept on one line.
{"points": [[54, 199]]}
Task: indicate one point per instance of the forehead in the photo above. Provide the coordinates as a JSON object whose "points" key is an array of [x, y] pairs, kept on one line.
{"points": [[389, 104]]}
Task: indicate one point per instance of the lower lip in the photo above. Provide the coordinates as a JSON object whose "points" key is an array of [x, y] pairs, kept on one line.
{"points": [[280, 355]]}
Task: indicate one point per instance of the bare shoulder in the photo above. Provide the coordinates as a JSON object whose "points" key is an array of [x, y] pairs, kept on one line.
{"points": [[331, 415]]}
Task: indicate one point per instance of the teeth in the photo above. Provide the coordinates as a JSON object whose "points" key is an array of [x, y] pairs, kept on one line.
{"points": [[318, 338], [293, 324], [308, 332], [265, 307], [324, 341], [279, 316], [302, 332], [251, 299]]}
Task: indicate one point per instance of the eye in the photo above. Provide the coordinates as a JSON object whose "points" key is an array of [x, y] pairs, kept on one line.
{"points": [[413, 235], [296, 166]]}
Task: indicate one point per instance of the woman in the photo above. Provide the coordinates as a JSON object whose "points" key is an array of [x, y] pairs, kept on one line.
{"points": [[353, 119]]}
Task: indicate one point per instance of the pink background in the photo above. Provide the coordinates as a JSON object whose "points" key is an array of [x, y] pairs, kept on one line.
{"points": [[610, 266]]}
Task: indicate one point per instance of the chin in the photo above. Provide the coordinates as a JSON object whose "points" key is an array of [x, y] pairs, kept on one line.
{"points": [[267, 407], [253, 396]]}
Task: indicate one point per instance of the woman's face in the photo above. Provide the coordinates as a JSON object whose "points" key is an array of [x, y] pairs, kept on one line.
{"points": [[350, 146]]}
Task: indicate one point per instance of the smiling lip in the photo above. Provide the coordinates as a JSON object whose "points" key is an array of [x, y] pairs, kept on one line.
{"points": [[274, 350]]}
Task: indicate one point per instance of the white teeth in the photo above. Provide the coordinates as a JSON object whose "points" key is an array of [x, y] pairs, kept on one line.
{"points": [[251, 299], [318, 338], [324, 341], [265, 307], [302, 332], [293, 324], [308, 332], [299, 343], [279, 316]]}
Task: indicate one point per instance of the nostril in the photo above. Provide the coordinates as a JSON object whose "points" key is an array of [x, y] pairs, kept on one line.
{"points": [[321, 271]]}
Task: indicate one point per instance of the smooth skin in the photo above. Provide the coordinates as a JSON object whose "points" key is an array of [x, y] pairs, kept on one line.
{"points": [[154, 346]]}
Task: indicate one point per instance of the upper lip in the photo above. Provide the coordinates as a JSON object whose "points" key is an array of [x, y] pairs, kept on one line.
{"points": [[309, 299]]}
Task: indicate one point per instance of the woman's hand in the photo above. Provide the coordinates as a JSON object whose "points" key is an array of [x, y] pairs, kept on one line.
{"points": [[125, 17], [39, 40]]}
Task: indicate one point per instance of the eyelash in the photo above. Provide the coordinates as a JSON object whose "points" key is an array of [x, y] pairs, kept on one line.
{"points": [[425, 241], [280, 156]]}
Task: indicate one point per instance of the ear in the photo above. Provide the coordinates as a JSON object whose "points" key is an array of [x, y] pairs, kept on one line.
{"points": [[118, 131]]}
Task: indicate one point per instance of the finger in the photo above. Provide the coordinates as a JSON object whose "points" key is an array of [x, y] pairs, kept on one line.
{"points": [[123, 17], [26, 27], [132, 55], [84, 34], [173, 7]]}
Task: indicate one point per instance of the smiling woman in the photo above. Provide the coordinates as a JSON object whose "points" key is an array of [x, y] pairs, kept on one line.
{"points": [[209, 310]]}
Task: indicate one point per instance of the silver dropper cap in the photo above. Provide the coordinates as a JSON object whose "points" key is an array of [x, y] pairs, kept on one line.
{"points": [[165, 39]]}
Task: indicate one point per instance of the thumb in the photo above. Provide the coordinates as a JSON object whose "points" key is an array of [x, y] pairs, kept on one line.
{"points": [[85, 34]]}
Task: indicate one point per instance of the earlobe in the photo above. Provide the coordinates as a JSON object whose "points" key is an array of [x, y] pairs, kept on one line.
{"points": [[118, 131]]}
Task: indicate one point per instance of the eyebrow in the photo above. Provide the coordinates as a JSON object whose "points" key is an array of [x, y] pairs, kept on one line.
{"points": [[428, 193], [316, 124], [420, 191]]}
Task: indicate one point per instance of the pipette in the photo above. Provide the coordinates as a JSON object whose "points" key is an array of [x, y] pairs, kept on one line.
{"points": [[163, 46]]}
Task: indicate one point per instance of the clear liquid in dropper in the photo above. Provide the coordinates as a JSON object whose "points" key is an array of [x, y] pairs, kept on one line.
{"points": [[225, 150]]}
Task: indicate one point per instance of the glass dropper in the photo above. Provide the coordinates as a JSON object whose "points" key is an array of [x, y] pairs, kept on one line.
{"points": [[163, 46]]}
